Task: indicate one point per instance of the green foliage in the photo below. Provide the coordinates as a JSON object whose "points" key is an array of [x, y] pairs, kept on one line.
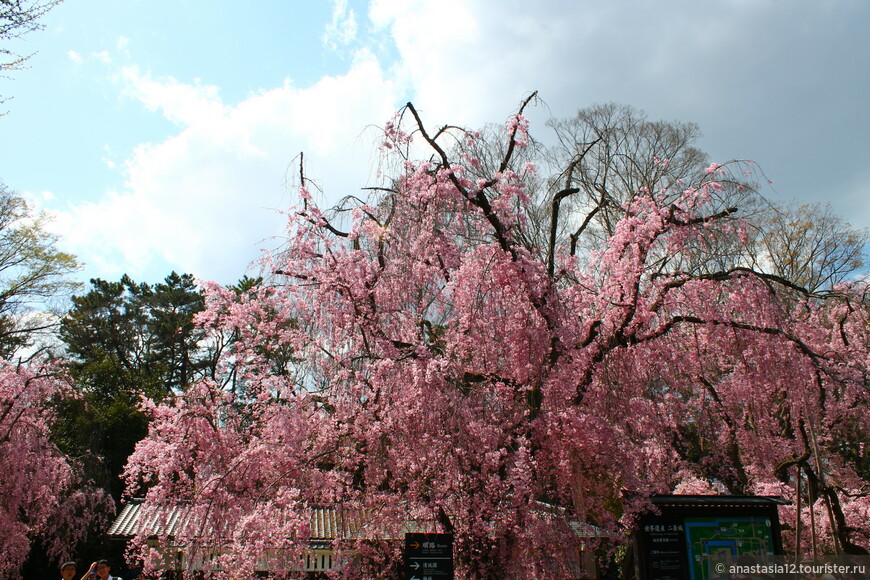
{"points": [[136, 335], [33, 273], [126, 340], [246, 284]]}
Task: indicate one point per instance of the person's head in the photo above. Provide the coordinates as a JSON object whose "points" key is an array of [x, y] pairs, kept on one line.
{"points": [[68, 570], [103, 569]]}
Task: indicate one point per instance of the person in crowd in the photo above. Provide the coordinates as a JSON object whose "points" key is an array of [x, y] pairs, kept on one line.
{"points": [[100, 570], [68, 570]]}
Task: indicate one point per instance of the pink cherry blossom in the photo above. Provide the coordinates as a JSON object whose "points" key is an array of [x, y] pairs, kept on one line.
{"points": [[43, 496], [422, 367]]}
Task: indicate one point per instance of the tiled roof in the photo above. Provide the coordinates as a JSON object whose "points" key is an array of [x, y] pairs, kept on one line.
{"points": [[133, 517], [169, 520], [326, 524], [718, 500]]}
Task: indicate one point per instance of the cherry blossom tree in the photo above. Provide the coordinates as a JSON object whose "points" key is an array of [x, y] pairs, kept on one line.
{"points": [[414, 361], [43, 498]]}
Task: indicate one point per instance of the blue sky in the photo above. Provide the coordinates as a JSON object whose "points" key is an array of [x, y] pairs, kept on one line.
{"points": [[159, 134]]}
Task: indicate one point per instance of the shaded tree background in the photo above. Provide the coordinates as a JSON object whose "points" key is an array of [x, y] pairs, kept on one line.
{"points": [[125, 341]]}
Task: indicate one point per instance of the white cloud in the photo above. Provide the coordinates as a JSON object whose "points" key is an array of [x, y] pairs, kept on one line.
{"points": [[181, 103], [342, 30], [778, 82], [40, 198], [201, 200], [762, 79], [102, 56], [109, 158], [75, 57]]}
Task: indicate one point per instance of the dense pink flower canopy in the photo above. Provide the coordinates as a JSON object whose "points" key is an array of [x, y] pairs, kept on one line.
{"points": [[43, 497], [425, 365]]}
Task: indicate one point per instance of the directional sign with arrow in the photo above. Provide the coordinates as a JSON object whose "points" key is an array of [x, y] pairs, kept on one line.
{"points": [[429, 556]]}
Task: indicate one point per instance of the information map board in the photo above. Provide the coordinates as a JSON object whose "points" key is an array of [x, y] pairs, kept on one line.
{"points": [[678, 542]]}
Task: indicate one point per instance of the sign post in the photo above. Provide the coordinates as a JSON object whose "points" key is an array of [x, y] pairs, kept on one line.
{"points": [[429, 556], [689, 532]]}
